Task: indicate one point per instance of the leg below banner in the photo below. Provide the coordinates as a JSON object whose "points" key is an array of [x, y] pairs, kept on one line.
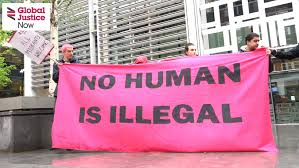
{"points": [[274, 114]]}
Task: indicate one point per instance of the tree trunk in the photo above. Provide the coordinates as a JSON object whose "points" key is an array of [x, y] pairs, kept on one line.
{"points": [[54, 40]]}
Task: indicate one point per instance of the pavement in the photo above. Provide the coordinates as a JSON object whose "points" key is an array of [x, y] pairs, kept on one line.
{"points": [[285, 158]]}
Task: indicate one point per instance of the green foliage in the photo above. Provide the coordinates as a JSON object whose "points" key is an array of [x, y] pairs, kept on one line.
{"points": [[4, 36], [5, 69]]}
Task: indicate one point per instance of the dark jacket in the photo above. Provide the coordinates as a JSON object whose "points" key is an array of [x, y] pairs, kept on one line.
{"points": [[291, 54], [55, 75], [271, 66]]}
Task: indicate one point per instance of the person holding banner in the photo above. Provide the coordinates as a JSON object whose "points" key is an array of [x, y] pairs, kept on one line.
{"points": [[252, 43], [68, 58], [190, 49], [141, 60]]}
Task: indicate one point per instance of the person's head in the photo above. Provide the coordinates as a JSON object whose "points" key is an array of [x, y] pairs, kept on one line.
{"points": [[252, 41], [67, 51], [190, 49], [141, 60]]}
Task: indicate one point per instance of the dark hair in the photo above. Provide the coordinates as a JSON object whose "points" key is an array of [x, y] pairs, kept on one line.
{"points": [[250, 36], [187, 46]]}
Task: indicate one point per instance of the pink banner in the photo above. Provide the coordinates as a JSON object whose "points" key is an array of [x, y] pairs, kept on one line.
{"points": [[194, 104]]}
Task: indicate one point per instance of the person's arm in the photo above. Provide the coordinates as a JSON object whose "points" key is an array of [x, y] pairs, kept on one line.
{"points": [[291, 54], [55, 75]]}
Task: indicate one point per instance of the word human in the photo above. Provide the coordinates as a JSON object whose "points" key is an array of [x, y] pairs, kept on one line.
{"points": [[165, 78], [182, 114]]}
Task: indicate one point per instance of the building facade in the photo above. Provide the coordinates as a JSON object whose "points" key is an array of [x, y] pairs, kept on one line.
{"points": [[128, 28]]}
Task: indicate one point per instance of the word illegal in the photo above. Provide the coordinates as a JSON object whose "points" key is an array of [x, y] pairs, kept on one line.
{"points": [[182, 114]]}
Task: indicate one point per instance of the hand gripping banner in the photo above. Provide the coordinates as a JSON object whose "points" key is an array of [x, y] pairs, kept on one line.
{"points": [[193, 104]]}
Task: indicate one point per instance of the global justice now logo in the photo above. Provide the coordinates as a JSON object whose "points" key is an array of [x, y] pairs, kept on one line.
{"points": [[11, 13], [21, 16]]}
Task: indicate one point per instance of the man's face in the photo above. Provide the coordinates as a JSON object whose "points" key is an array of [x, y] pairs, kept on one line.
{"points": [[191, 51], [68, 53], [253, 44]]}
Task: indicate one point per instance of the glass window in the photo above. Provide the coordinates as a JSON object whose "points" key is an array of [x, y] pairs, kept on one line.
{"points": [[253, 6], [284, 66], [224, 19], [285, 91], [287, 66], [210, 15], [280, 9], [291, 65], [216, 40], [238, 8], [290, 33]]}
